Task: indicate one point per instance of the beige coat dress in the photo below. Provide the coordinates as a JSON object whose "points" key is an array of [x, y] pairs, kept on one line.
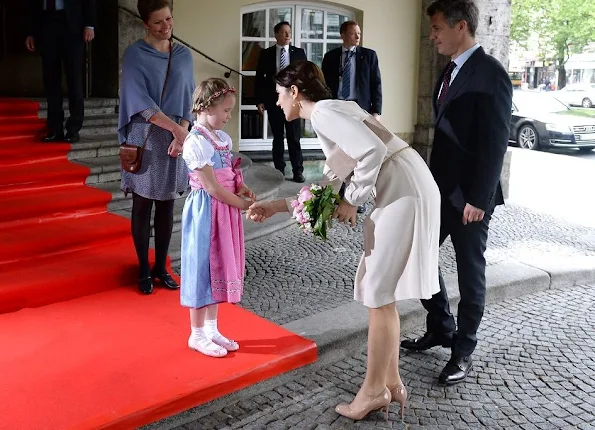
{"points": [[401, 234]]}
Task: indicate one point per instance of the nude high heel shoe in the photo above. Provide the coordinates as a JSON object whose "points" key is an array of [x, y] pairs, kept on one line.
{"points": [[398, 394], [380, 402]]}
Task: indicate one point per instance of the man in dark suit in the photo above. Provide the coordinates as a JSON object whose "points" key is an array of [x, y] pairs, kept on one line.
{"points": [[472, 104], [352, 73], [270, 62], [60, 29]]}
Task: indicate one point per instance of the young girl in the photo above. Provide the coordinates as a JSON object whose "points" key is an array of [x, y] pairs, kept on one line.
{"points": [[212, 230]]}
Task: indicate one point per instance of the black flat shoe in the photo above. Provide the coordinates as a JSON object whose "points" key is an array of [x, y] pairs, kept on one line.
{"points": [[427, 341], [299, 178], [52, 136], [145, 285], [167, 281], [456, 370], [72, 137]]}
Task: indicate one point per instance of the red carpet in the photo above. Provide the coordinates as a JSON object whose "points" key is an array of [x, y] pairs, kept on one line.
{"points": [[80, 347]]}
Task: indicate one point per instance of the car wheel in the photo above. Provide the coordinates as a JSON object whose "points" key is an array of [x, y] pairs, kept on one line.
{"points": [[527, 137], [587, 103]]}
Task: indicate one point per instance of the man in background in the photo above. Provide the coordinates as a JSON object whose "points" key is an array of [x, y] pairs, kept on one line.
{"points": [[352, 73], [271, 61], [60, 29]]}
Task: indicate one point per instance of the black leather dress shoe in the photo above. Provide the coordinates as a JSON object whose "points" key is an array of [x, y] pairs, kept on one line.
{"points": [[72, 137], [52, 136], [456, 370], [145, 285], [299, 178], [427, 341], [166, 279]]}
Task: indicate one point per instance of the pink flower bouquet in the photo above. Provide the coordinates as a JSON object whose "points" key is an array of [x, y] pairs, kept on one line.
{"points": [[314, 208]]}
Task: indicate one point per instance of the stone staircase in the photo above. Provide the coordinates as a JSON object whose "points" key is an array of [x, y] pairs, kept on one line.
{"points": [[98, 150]]}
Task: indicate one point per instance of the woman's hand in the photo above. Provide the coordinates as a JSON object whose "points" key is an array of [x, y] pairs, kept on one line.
{"points": [[174, 149], [346, 213], [244, 191], [180, 132], [259, 211]]}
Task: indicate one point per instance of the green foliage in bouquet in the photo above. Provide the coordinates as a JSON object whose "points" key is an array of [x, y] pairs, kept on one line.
{"points": [[320, 209]]}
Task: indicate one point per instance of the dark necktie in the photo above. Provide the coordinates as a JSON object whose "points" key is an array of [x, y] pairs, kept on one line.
{"points": [[446, 82], [50, 5], [346, 75]]}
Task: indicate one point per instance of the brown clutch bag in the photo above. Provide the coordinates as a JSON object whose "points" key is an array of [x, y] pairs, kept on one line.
{"points": [[131, 157]]}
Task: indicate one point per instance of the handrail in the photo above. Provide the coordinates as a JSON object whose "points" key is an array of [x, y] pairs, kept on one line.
{"points": [[230, 69]]}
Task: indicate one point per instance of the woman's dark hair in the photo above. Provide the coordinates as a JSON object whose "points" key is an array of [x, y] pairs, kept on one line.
{"points": [[308, 79], [147, 7], [455, 11]]}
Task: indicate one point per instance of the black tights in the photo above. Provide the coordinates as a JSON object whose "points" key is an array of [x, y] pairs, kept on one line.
{"points": [[141, 231]]}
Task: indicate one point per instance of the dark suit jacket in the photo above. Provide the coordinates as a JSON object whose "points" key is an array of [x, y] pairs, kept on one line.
{"points": [[266, 71], [471, 133], [79, 13], [368, 86]]}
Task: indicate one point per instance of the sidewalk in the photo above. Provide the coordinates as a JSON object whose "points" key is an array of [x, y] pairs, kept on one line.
{"points": [[306, 285], [534, 369]]}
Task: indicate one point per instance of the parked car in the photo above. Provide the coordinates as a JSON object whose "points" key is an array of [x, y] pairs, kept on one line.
{"points": [[540, 121], [577, 95]]}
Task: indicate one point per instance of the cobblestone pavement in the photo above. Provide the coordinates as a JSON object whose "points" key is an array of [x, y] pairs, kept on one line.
{"points": [[534, 369], [291, 275]]}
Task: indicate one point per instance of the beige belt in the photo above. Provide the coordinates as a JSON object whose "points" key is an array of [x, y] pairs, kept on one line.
{"points": [[393, 155]]}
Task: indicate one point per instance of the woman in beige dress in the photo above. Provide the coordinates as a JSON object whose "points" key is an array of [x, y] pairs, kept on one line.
{"points": [[400, 259]]}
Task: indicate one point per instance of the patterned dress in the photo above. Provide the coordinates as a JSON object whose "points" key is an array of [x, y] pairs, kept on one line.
{"points": [[161, 177], [213, 255]]}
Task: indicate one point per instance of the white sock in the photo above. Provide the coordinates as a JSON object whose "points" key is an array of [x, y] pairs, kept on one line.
{"points": [[197, 333], [212, 333], [199, 341]]}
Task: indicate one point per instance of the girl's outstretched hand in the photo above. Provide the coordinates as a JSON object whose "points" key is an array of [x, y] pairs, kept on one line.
{"points": [[244, 191]]}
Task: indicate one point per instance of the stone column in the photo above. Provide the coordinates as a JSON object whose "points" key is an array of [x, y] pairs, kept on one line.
{"points": [[493, 33]]}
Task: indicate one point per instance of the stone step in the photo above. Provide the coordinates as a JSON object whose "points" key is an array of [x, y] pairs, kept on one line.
{"points": [[89, 111], [103, 169], [94, 146], [89, 103], [100, 125]]}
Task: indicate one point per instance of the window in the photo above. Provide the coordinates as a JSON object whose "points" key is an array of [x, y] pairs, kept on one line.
{"points": [[314, 28]]}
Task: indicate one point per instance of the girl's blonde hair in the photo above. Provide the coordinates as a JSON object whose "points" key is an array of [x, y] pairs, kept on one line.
{"points": [[209, 93]]}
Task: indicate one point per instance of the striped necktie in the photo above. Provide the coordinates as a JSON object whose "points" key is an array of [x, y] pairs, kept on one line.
{"points": [[346, 76], [284, 61]]}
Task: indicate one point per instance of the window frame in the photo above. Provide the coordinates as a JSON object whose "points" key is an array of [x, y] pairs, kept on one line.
{"points": [[265, 143]]}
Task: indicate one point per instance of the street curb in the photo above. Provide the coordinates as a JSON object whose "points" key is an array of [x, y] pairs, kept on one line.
{"points": [[342, 331], [337, 328]]}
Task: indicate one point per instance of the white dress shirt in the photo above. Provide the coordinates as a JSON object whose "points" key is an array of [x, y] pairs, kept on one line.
{"points": [[460, 61]]}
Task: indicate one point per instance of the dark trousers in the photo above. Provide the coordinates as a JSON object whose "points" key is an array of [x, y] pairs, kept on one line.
{"points": [[469, 242], [60, 47], [279, 126]]}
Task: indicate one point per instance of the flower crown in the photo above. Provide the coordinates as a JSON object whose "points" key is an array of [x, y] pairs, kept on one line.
{"points": [[207, 103]]}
